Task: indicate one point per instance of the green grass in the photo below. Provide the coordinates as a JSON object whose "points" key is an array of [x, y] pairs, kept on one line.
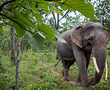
{"points": [[37, 72]]}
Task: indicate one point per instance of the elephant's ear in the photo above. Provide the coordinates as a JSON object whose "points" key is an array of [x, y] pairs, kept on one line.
{"points": [[76, 36], [108, 36]]}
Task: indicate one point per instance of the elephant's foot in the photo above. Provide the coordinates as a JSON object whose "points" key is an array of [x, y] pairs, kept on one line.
{"points": [[86, 88], [67, 78], [92, 81], [72, 82], [66, 75], [79, 79]]}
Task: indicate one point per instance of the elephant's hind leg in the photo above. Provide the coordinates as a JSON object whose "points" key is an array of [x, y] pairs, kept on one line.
{"points": [[66, 65]]}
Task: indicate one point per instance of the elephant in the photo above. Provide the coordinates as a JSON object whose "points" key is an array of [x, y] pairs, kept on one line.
{"points": [[80, 43]]}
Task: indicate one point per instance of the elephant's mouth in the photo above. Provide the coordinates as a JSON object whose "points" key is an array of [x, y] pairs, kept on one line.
{"points": [[87, 45]]}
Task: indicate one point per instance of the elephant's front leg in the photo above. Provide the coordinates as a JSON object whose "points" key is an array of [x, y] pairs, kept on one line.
{"points": [[81, 62], [79, 77], [65, 72], [87, 55]]}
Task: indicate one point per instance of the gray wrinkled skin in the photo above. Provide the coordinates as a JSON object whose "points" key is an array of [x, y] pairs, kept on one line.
{"points": [[81, 42]]}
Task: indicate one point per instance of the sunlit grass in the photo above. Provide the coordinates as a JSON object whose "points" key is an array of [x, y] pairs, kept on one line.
{"points": [[37, 72]]}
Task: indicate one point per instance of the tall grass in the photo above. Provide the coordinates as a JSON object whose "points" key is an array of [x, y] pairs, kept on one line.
{"points": [[37, 72]]}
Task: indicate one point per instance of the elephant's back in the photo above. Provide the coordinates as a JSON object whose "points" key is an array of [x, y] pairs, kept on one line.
{"points": [[67, 44], [65, 49], [66, 35]]}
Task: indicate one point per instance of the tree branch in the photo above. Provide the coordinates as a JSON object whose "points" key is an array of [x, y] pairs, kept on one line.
{"points": [[64, 15], [57, 25], [54, 18], [15, 22], [5, 3]]}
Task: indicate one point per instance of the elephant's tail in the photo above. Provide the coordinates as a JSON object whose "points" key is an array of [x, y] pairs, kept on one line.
{"points": [[57, 58]]}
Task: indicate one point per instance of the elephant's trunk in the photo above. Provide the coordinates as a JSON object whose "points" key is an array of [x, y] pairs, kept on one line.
{"points": [[99, 55], [97, 69]]}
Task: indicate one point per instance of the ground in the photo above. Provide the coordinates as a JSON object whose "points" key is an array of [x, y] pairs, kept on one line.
{"points": [[37, 72]]}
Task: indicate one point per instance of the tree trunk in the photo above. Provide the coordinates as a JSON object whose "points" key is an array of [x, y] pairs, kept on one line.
{"points": [[0, 61], [22, 45], [12, 43], [17, 62]]}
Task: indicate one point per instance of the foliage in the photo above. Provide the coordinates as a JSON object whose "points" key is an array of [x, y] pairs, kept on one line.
{"points": [[102, 10], [37, 71], [72, 21], [27, 16], [7, 79], [4, 38], [79, 5]]}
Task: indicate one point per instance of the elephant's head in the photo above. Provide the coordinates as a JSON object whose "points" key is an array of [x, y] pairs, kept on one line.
{"points": [[93, 36], [90, 34]]}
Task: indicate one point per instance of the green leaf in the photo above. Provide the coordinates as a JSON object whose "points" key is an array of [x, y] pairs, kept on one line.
{"points": [[47, 32], [39, 17], [43, 4], [43, 28], [23, 19], [18, 24], [80, 5], [58, 36], [36, 41], [53, 9], [19, 31]]}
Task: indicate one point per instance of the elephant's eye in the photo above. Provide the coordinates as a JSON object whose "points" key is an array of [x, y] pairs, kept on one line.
{"points": [[91, 38], [90, 27], [101, 28]]}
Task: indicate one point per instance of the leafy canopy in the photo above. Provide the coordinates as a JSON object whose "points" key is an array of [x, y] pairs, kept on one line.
{"points": [[27, 15]]}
